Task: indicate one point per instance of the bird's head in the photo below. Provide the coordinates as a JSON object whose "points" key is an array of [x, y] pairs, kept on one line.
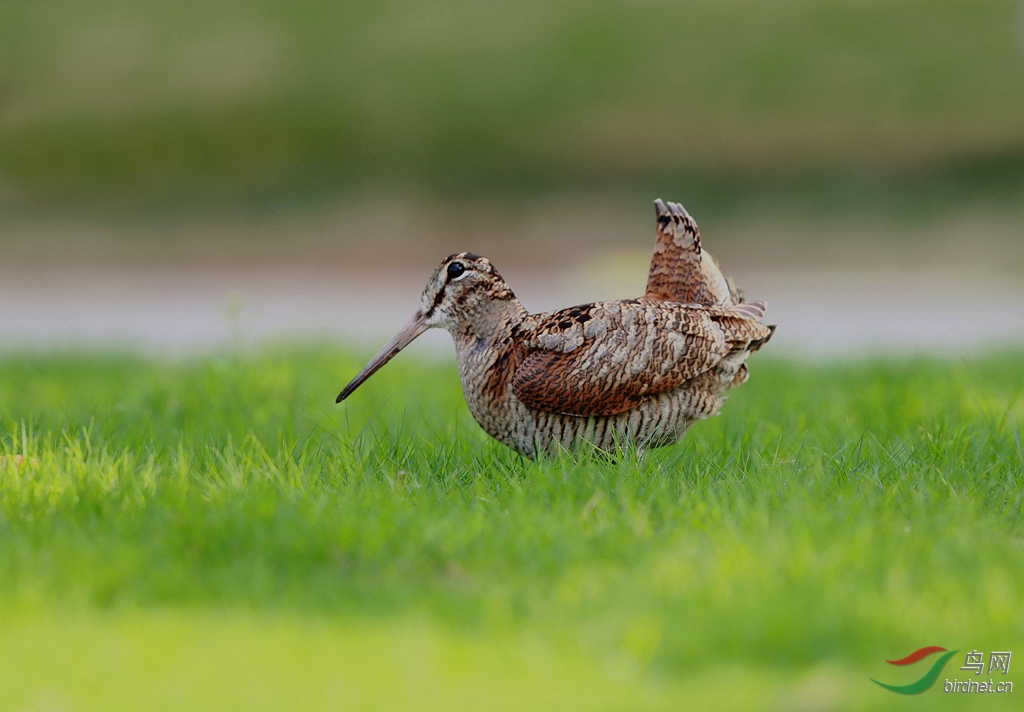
{"points": [[460, 286], [465, 288]]}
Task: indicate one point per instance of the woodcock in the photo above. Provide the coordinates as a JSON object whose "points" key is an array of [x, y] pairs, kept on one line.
{"points": [[629, 372]]}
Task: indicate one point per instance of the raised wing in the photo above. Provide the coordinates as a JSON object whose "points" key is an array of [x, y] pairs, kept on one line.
{"points": [[681, 271], [607, 357]]}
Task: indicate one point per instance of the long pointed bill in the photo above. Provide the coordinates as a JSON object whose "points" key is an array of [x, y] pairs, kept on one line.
{"points": [[403, 338]]}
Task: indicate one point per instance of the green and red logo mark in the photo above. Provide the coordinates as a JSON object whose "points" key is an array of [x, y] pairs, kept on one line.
{"points": [[928, 679]]}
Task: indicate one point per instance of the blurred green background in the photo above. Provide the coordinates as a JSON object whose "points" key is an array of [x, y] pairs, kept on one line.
{"points": [[141, 107]]}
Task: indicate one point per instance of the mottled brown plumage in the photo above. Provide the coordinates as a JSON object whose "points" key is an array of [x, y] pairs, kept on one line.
{"points": [[634, 371]]}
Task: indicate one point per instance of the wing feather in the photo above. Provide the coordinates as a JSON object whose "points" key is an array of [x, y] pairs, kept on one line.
{"points": [[608, 357]]}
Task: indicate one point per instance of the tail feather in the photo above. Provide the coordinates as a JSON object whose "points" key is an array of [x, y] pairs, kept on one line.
{"points": [[680, 269], [758, 343]]}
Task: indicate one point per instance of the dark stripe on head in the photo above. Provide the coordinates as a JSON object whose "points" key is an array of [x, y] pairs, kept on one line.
{"points": [[456, 257], [437, 300]]}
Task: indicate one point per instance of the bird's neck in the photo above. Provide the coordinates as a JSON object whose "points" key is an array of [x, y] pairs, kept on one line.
{"points": [[484, 342], [488, 351], [492, 322]]}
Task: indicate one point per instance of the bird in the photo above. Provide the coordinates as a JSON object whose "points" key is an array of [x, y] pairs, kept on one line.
{"points": [[608, 374]]}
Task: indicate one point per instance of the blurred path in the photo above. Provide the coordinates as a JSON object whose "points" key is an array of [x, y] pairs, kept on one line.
{"points": [[183, 310]]}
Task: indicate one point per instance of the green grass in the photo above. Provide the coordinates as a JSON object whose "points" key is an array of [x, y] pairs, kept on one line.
{"points": [[214, 533], [244, 103]]}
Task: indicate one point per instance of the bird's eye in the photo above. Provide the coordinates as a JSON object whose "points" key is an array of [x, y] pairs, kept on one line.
{"points": [[456, 269]]}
